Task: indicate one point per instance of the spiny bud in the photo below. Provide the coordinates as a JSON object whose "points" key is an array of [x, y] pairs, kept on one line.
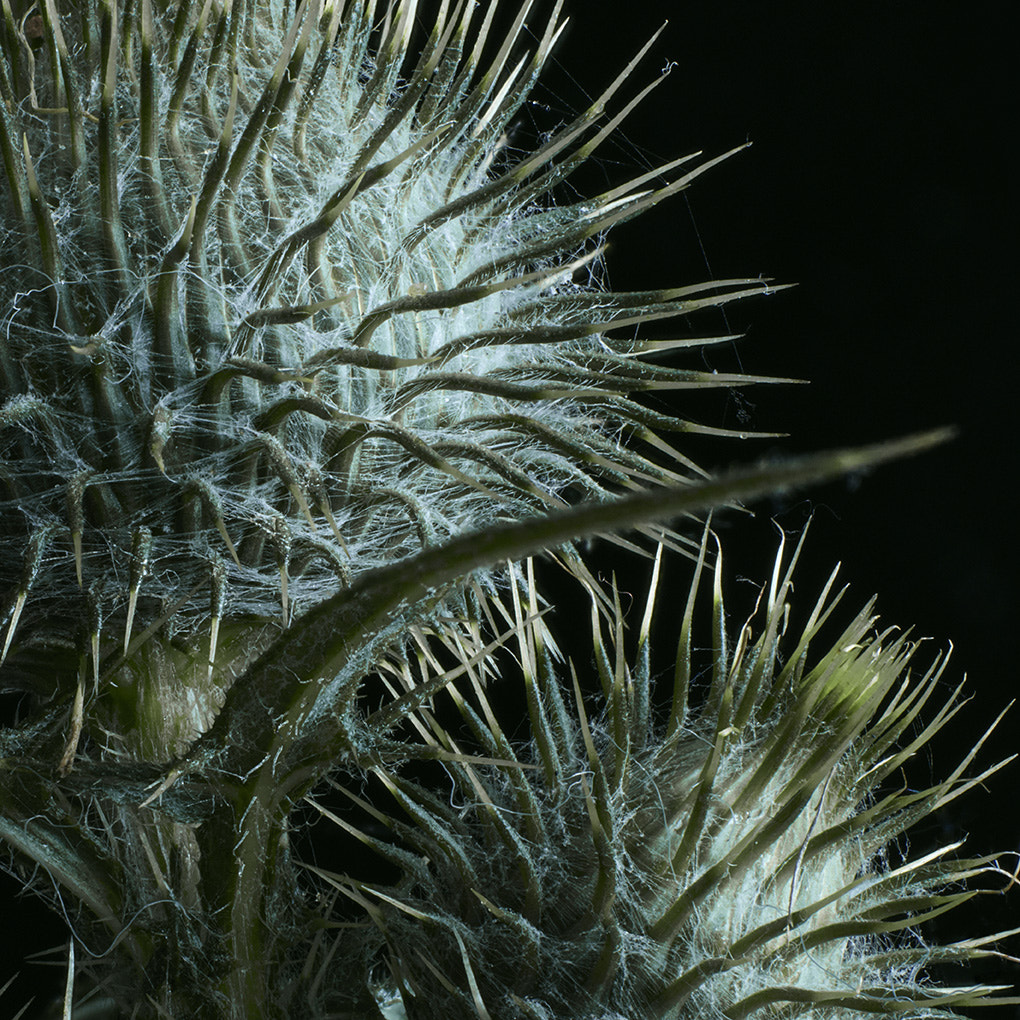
{"points": [[717, 849], [294, 348], [254, 245]]}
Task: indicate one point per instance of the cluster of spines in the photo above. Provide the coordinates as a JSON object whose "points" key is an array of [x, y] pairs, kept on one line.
{"points": [[713, 855], [246, 349], [215, 392]]}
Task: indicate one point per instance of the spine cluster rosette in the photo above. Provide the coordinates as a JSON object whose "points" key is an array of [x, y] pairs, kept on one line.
{"points": [[717, 849]]}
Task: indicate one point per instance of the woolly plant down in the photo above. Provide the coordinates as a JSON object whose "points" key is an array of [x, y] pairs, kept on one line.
{"points": [[293, 344]]}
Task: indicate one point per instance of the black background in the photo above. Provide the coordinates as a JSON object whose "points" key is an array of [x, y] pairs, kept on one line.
{"points": [[877, 181]]}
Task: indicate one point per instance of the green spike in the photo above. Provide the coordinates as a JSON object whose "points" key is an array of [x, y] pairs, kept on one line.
{"points": [[141, 549]]}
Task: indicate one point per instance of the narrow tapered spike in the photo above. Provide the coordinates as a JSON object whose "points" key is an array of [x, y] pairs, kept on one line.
{"points": [[29, 571], [316, 488], [171, 777], [476, 996], [141, 549], [210, 500], [95, 660], [19, 604], [69, 982], [327, 512], [74, 736], [214, 637], [653, 586], [132, 602], [94, 617], [222, 529], [217, 602], [457, 297], [285, 471], [299, 498], [49, 248], [75, 498], [682, 670]]}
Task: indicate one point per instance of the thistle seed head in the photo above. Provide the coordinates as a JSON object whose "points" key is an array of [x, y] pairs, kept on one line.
{"points": [[279, 305], [723, 849]]}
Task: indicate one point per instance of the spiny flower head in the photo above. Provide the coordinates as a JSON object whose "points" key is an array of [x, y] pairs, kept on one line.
{"points": [[723, 851], [279, 305]]}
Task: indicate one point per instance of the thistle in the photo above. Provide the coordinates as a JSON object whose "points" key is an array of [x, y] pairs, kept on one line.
{"points": [[715, 849], [295, 354], [274, 320]]}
